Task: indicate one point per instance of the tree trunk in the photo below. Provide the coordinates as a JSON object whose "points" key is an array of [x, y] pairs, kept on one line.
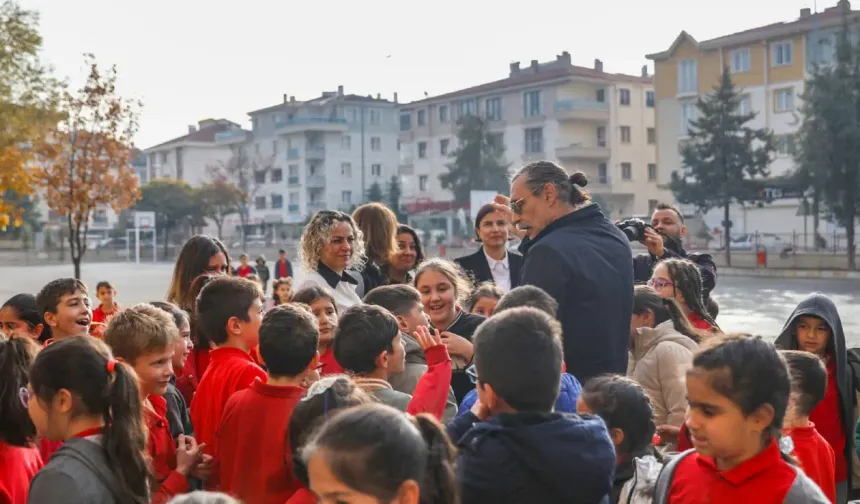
{"points": [[219, 224], [816, 203], [727, 226], [849, 233]]}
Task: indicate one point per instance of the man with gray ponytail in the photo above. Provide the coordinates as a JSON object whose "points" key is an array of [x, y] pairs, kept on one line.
{"points": [[574, 253]]}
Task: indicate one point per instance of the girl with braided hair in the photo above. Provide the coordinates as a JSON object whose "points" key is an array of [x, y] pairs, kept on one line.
{"points": [[681, 280]]}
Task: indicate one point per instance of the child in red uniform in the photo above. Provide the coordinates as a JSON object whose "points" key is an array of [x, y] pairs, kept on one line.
{"points": [[64, 305], [104, 311], [229, 312], [244, 270], [815, 327], [808, 385], [324, 308], [256, 420], [738, 394], [144, 337], [19, 457]]}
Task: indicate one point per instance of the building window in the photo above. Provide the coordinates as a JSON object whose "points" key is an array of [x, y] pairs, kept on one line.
{"points": [[602, 174], [421, 117], [375, 144], [374, 116], [625, 134], [294, 198], [652, 136], [405, 121], [601, 136], [259, 177], [784, 100], [422, 183], [346, 142], [531, 103], [624, 97], [422, 150], [785, 145], [822, 50], [468, 107], [601, 95], [293, 170], [346, 169], [277, 175], [376, 170], [443, 146], [652, 172], [745, 105], [781, 53], [346, 197], [493, 109], [179, 169], [741, 60], [277, 201], [534, 140], [260, 202], [649, 99], [688, 115], [687, 79], [274, 147], [496, 140], [652, 206], [626, 171], [443, 113]]}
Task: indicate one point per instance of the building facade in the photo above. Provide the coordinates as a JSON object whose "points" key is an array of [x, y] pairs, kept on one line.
{"points": [[585, 119], [190, 156]]}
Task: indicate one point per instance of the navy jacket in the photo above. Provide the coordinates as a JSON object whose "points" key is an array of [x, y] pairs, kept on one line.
{"points": [[533, 457], [584, 262]]}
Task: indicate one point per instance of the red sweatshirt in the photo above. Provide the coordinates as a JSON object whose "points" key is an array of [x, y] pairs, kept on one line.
{"points": [[827, 417], [815, 457], [763, 479], [244, 270], [431, 391], [18, 465], [255, 462], [47, 448], [188, 379], [329, 364], [698, 322], [303, 496], [230, 370], [162, 451]]}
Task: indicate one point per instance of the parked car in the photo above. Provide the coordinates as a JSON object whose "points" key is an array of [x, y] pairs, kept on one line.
{"points": [[252, 241], [753, 241]]}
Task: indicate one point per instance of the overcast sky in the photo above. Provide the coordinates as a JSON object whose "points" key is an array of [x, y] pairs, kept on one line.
{"points": [[193, 59]]}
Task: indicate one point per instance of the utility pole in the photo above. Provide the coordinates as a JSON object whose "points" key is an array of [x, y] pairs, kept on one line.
{"points": [[363, 192]]}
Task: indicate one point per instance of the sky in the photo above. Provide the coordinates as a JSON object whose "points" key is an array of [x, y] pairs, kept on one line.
{"points": [[189, 60]]}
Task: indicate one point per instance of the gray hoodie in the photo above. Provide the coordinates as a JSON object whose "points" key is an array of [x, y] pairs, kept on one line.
{"points": [[416, 365], [78, 473]]}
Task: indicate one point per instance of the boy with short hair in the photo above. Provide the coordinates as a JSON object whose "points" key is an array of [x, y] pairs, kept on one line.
{"points": [[105, 293], [144, 336], [813, 453], [368, 345], [64, 305], [229, 312], [253, 432], [244, 270], [512, 446]]}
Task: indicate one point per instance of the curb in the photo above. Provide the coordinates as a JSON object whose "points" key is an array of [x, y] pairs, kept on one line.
{"points": [[789, 273]]}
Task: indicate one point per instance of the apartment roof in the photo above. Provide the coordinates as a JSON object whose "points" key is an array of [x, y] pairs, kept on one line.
{"points": [[325, 97], [206, 134]]}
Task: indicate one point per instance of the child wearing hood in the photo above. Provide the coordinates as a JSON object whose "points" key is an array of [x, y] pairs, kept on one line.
{"points": [[263, 272], [815, 327]]}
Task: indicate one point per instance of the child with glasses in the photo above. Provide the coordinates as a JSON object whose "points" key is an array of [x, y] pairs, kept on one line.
{"points": [[681, 280]]}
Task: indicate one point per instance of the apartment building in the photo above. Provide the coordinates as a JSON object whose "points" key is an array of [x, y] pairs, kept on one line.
{"points": [[585, 119], [770, 65]]}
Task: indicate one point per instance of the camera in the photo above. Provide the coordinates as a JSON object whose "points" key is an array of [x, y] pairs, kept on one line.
{"points": [[634, 229]]}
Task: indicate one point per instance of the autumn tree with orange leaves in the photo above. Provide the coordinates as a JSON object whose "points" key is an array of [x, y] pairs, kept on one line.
{"points": [[85, 164]]}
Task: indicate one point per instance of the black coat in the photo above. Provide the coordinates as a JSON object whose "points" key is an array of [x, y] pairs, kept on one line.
{"points": [[583, 261], [478, 269]]}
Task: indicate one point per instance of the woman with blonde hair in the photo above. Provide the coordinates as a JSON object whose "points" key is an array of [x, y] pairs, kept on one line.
{"points": [[378, 224], [330, 245]]}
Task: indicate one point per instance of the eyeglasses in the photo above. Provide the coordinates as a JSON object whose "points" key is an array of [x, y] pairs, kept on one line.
{"points": [[24, 395], [472, 373], [660, 283], [517, 206]]}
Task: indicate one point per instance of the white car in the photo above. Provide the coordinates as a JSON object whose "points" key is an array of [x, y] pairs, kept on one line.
{"points": [[769, 241]]}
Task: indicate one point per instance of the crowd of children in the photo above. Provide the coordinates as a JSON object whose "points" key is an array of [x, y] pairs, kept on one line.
{"points": [[432, 392]]}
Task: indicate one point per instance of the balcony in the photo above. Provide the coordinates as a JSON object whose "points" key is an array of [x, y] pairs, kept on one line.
{"points": [[293, 154], [293, 208], [231, 136], [314, 153], [315, 182], [293, 181], [316, 206], [579, 151], [582, 110], [311, 123]]}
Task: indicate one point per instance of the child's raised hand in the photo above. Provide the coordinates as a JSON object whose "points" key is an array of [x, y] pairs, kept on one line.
{"points": [[188, 454], [458, 345], [425, 338]]}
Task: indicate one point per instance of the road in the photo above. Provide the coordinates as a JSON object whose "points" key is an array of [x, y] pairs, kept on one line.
{"points": [[751, 305]]}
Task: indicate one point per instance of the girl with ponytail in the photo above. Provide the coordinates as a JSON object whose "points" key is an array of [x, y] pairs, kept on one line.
{"points": [[80, 395], [662, 344], [681, 280]]}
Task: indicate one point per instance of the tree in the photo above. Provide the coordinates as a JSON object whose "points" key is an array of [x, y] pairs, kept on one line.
{"points": [[173, 202], [219, 199], [394, 192], [28, 99], [374, 193], [478, 162], [724, 160], [829, 158], [84, 164], [249, 175]]}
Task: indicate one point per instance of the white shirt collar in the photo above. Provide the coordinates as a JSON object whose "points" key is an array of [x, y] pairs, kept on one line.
{"points": [[492, 262]]}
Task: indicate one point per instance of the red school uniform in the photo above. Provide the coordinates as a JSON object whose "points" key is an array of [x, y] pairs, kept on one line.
{"points": [[827, 417], [162, 451], [18, 465], [230, 370], [329, 364], [254, 434], [815, 456], [763, 479], [103, 317], [188, 379], [244, 270], [698, 322]]}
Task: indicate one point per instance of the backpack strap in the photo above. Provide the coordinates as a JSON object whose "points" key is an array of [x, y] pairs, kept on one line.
{"points": [[803, 490], [664, 480]]}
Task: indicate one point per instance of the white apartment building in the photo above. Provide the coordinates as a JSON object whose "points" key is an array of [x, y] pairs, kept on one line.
{"points": [[584, 119]]}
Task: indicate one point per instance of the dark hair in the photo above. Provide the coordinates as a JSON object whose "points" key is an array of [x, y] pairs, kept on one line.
{"points": [[282, 251], [24, 306], [277, 283], [79, 364], [289, 336], [222, 299], [669, 206], [180, 316], [751, 373], [519, 354], [482, 212], [484, 290], [192, 262], [623, 404], [646, 299], [399, 299], [16, 355], [528, 295], [374, 449], [311, 294], [49, 297], [688, 280], [808, 380], [364, 332], [243, 256], [713, 307], [419, 250], [189, 304], [540, 173], [105, 284]]}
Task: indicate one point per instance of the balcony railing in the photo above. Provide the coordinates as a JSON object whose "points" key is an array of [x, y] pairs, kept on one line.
{"points": [[315, 181], [582, 109], [231, 134], [310, 121], [293, 153], [293, 181], [316, 206], [292, 208], [313, 152]]}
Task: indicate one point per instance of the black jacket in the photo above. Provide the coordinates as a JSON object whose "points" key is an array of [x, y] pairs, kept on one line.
{"points": [[583, 261], [277, 269], [643, 266], [478, 269]]}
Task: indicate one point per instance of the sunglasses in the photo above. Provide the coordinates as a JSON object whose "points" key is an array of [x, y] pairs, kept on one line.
{"points": [[660, 283], [517, 206], [472, 373]]}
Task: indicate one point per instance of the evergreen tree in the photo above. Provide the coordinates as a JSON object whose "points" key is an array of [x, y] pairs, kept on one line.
{"points": [[374, 193], [478, 164], [724, 160], [395, 191]]}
